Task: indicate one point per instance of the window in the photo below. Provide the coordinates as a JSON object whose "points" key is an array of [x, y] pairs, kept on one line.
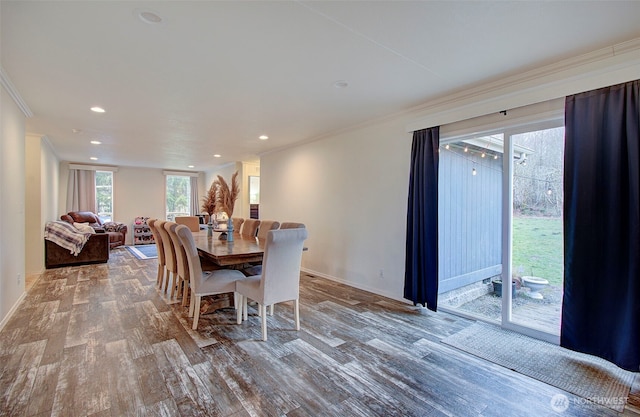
{"points": [[104, 195], [178, 196]]}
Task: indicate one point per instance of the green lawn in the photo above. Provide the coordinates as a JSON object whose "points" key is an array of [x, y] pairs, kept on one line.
{"points": [[538, 248]]}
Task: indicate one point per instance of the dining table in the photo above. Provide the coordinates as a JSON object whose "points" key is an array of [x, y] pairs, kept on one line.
{"points": [[223, 252]]}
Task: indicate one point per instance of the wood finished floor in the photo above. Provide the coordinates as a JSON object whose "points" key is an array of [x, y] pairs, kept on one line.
{"points": [[101, 341]]}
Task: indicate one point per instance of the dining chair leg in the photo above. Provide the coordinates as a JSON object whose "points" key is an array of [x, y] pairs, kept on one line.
{"points": [[239, 308], [271, 310], [192, 304], [263, 310], [159, 276], [196, 313], [244, 307], [185, 295], [296, 312], [167, 278]]}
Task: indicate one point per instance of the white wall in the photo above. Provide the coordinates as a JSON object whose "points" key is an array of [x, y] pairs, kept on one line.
{"points": [[350, 190], [12, 197]]}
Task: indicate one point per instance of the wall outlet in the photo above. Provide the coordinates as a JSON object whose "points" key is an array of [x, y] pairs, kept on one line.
{"points": [[19, 278], [381, 274]]}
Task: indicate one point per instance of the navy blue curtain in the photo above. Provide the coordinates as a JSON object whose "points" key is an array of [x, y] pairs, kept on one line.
{"points": [[421, 258], [601, 306]]}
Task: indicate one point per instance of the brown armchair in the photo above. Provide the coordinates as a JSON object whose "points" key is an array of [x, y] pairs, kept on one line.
{"points": [[117, 231]]}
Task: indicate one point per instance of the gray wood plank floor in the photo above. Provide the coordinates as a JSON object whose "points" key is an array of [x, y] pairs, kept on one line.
{"points": [[102, 341]]}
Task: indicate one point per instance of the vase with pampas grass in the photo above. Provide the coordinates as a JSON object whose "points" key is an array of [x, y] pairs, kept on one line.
{"points": [[226, 199]]}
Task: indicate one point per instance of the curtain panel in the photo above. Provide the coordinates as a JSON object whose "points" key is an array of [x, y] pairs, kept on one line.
{"points": [[601, 306], [421, 256], [81, 190], [194, 204]]}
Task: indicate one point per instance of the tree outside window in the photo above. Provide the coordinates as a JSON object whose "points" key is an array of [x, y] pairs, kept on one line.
{"points": [[104, 195], [178, 196]]}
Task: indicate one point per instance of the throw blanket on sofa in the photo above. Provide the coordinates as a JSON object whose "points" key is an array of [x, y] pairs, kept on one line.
{"points": [[65, 235]]}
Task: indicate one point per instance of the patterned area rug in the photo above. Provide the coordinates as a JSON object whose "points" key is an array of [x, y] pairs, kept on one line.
{"points": [[586, 376], [144, 251]]}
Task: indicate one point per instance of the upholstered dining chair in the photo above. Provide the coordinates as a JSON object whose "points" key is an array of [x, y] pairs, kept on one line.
{"points": [[292, 225], [184, 279], [265, 226], [182, 275], [280, 278], [171, 265], [204, 282], [159, 248], [250, 227], [237, 223], [192, 222]]}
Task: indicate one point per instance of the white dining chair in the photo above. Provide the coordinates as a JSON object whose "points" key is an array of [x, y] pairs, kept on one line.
{"points": [[280, 278], [204, 282]]}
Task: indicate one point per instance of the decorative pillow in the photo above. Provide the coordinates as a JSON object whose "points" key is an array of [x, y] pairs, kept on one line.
{"points": [[84, 227]]}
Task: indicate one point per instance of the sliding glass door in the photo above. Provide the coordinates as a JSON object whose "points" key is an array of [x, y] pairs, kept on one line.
{"points": [[537, 265], [500, 227]]}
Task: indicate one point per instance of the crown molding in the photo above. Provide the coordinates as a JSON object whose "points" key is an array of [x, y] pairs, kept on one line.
{"points": [[13, 92], [607, 66]]}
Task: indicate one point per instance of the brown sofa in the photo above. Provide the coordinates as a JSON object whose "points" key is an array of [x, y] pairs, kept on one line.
{"points": [[117, 231], [96, 250]]}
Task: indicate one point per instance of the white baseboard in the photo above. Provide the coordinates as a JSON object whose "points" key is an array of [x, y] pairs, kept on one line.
{"points": [[6, 318], [376, 291]]}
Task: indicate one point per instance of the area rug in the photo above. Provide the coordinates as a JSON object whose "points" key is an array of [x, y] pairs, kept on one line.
{"points": [[143, 251], [583, 375]]}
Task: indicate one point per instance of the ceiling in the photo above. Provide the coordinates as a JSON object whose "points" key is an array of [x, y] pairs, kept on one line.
{"points": [[212, 76]]}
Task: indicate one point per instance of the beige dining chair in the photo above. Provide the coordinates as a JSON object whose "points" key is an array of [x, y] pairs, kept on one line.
{"points": [[265, 226], [250, 227], [204, 282], [292, 225], [182, 274], [171, 265], [192, 222], [237, 223], [160, 249], [280, 278]]}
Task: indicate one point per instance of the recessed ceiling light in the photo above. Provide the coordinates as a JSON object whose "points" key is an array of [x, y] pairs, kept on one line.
{"points": [[191, 166], [97, 109], [217, 155], [93, 158], [148, 16], [95, 142], [76, 130], [263, 137], [341, 84]]}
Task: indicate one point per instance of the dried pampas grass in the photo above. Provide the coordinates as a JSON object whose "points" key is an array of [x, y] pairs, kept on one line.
{"points": [[227, 196], [210, 201]]}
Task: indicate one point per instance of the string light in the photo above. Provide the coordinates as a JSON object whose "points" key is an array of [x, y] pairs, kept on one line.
{"points": [[473, 171], [446, 146]]}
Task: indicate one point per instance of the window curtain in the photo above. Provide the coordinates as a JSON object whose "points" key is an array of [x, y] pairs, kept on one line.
{"points": [[421, 257], [194, 204], [81, 190], [601, 306]]}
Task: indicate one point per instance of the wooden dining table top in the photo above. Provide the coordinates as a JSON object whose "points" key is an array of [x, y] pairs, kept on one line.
{"points": [[242, 249]]}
